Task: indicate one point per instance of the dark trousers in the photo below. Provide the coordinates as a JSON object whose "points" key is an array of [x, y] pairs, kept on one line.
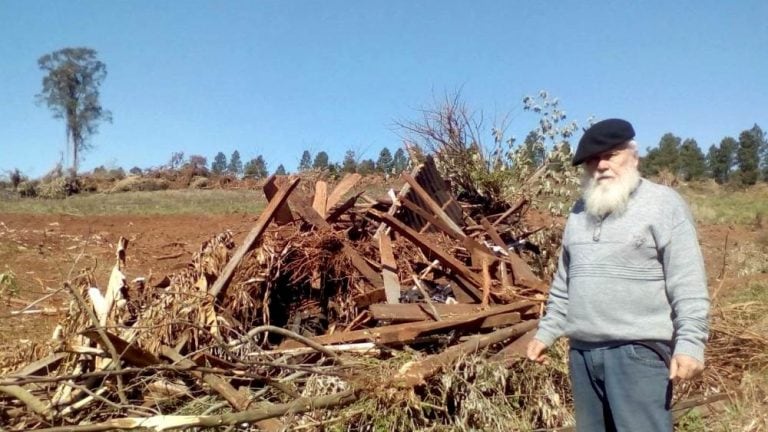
{"points": [[622, 388]]}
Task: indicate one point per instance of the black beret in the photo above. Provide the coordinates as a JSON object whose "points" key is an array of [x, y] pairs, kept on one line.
{"points": [[603, 136]]}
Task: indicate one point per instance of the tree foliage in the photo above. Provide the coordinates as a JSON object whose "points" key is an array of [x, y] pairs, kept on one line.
{"points": [[280, 170], [349, 163], [256, 168], [235, 166], [399, 161], [71, 91], [748, 155], [321, 161], [306, 161], [720, 160], [385, 163], [219, 164], [691, 161]]}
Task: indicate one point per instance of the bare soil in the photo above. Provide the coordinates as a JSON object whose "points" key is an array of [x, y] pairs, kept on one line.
{"points": [[43, 251]]}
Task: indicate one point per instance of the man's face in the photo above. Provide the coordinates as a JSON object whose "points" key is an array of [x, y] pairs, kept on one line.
{"points": [[609, 166]]}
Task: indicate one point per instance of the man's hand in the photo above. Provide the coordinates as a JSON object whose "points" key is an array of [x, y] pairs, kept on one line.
{"points": [[537, 351], [683, 367]]}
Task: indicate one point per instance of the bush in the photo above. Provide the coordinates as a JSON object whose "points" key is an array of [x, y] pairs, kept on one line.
{"points": [[27, 189], [198, 183], [58, 188], [136, 183]]}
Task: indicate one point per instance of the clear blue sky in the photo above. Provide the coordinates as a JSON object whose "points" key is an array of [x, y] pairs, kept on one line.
{"points": [[278, 77]]}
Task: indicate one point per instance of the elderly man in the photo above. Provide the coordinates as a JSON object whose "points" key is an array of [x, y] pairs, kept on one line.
{"points": [[630, 292]]}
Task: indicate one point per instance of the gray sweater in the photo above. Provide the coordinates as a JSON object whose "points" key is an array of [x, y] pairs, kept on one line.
{"points": [[635, 276]]}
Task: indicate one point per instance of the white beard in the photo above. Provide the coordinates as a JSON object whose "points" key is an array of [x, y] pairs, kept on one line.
{"points": [[610, 197]]}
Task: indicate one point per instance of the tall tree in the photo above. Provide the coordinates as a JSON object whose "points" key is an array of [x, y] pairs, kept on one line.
{"points": [[280, 170], [219, 164], [366, 167], [235, 166], [748, 155], [71, 91], [385, 162], [720, 159], [399, 161], [349, 163], [306, 161], [321, 161], [256, 168], [533, 151], [762, 141], [692, 163]]}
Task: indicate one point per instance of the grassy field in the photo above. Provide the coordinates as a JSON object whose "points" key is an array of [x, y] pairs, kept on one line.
{"points": [[713, 204], [185, 201]]}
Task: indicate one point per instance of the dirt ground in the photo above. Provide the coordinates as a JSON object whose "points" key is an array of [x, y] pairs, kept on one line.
{"points": [[44, 250]]}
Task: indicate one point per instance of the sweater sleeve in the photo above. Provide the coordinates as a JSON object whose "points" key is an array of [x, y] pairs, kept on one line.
{"points": [[552, 325], [687, 289]]}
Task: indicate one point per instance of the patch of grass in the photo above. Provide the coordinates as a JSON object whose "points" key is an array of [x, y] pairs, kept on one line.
{"points": [[718, 205], [143, 203]]}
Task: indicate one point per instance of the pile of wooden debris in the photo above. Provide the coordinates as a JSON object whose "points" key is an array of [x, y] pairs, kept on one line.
{"points": [[289, 321]]}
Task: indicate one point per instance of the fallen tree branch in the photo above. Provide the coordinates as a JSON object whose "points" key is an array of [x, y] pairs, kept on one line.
{"points": [[166, 422]]}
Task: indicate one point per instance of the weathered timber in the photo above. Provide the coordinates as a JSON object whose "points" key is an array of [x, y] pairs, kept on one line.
{"points": [[520, 203], [320, 200], [250, 241], [506, 282], [128, 352], [389, 270], [335, 213], [413, 374], [44, 366], [522, 274], [446, 259], [344, 186], [431, 204], [408, 332], [284, 214], [409, 312]]}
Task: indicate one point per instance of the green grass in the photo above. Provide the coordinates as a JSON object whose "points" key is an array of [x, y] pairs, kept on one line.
{"points": [[142, 203], [717, 205]]}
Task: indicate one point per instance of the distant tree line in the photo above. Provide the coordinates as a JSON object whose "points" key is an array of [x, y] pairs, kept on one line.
{"points": [[742, 161]]}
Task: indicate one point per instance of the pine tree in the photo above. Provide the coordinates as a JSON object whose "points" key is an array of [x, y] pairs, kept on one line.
{"points": [[256, 168], [385, 163], [321, 161], [235, 166], [691, 160], [306, 161], [366, 167], [280, 170], [399, 161], [720, 160], [747, 156], [219, 164], [349, 164]]}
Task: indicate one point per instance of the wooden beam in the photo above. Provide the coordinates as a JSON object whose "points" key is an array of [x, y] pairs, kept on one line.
{"points": [[409, 312], [389, 270], [425, 245], [408, 332], [347, 183], [336, 212], [520, 203], [128, 352], [321, 198], [432, 205], [250, 241], [283, 215], [517, 349]]}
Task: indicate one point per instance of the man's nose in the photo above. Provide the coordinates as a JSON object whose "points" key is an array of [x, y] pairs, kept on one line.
{"points": [[602, 164]]}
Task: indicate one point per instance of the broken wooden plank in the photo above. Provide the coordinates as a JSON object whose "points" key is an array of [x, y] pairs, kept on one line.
{"points": [[128, 352], [250, 241], [335, 213], [284, 214], [520, 203], [321, 198], [389, 270], [523, 275], [446, 259], [44, 366], [432, 205], [408, 312], [408, 332], [344, 186]]}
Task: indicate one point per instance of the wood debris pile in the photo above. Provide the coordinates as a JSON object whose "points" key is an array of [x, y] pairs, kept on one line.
{"points": [[286, 322]]}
